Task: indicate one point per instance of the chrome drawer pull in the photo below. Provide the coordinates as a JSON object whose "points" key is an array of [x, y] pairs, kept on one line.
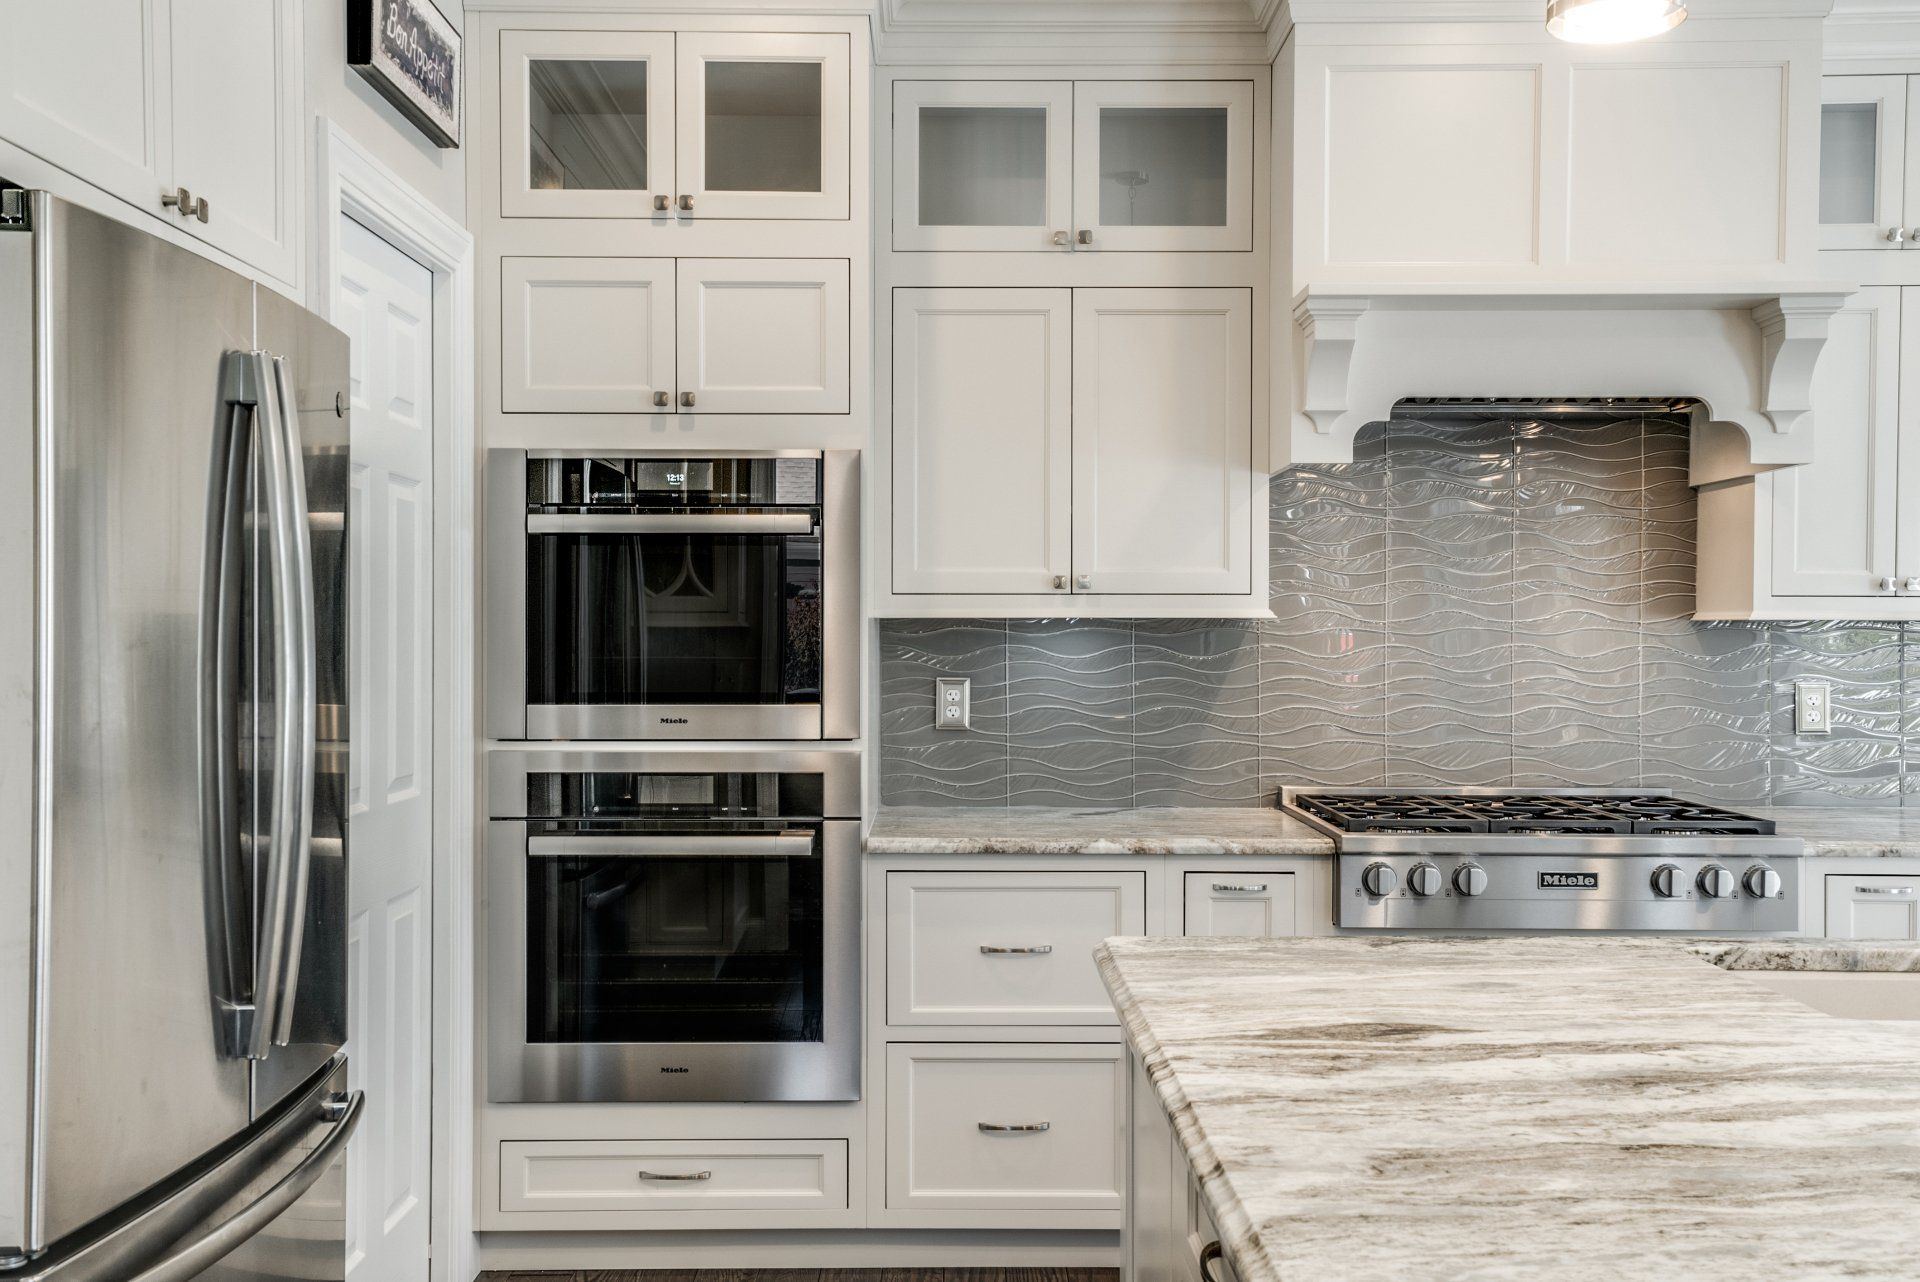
{"points": [[1027, 1128], [661, 1175], [1234, 888], [1883, 890], [1032, 950], [1209, 1254]]}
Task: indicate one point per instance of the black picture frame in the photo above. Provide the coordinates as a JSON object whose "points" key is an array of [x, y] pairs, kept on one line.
{"points": [[411, 54]]}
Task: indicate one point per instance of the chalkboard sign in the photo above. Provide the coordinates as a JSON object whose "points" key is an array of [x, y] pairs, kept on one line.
{"points": [[411, 54]]}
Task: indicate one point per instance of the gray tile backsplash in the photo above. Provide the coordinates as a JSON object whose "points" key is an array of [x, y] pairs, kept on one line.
{"points": [[1494, 602]]}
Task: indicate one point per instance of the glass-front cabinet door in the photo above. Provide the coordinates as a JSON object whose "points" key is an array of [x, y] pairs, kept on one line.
{"points": [[586, 124], [762, 128], [982, 165], [1163, 165], [1865, 174]]}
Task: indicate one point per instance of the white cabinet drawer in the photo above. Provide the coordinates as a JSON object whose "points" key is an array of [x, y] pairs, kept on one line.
{"points": [[1263, 905], [670, 1175], [1876, 906], [1006, 1127], [993, 948]]}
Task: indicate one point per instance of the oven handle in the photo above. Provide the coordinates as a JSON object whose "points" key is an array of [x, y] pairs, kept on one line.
{"points": [[768, 845], [675, 523]]}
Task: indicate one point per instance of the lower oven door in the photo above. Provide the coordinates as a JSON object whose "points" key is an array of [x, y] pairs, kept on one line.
{"points": [[715, 964]]}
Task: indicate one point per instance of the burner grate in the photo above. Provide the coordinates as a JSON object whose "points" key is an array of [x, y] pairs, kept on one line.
{"points": [[1538, 814]]}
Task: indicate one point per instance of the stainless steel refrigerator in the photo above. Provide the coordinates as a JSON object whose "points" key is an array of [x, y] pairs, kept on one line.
{"points": [[173, 723]]}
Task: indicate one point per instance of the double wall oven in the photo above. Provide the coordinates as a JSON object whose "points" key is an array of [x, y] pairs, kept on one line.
{"points": [[648, 596], [673, 925]]}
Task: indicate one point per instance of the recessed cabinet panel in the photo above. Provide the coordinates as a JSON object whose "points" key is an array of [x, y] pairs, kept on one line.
{"points": [[78, 89], [1475, 164], [586, 128], [1162, 452], [587, 335], [1873, 907], [1163, 166], [1641, 187], [672, 1175], [982, 465], [1863, 144], [1258, 905], [763, 335], [982, 165], [763, 125], [1835, 518]]}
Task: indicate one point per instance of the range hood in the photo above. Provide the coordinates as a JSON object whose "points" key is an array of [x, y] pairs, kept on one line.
{"points": [[1741, 359]]}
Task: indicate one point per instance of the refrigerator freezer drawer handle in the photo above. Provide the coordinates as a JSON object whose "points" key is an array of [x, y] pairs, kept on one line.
{"points": [[195, 1259]]}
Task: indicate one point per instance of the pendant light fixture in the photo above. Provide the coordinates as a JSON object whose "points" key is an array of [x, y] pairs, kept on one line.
{"points": [[1613, 22]]}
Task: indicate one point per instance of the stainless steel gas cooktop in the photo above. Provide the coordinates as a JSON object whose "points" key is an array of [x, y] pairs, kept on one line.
{"points": [[1550, 859]]}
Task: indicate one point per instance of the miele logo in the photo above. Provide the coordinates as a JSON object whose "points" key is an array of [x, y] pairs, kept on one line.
{"points": [[1570, 880], [668, 1068], [673, 721]]}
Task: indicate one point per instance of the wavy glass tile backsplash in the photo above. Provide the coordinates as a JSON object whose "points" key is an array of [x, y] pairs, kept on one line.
{"points": [[1496, 602]]}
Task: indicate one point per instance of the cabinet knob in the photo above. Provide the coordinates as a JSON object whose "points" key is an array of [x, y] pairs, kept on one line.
{"points": [[185, 203], [662, 398], [1913, 584], [1084, 582], [686, 204], [663, 203], [686, 399], [1897, 234], [1064, 239], [1059, 583], [1889, 584], [1085, 237]]}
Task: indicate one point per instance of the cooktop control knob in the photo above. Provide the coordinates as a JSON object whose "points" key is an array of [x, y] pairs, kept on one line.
{"points": [[1762, 882], [1470, 879], [1379, 880], [1716, 882], [1423, 880], [1669, 882]]}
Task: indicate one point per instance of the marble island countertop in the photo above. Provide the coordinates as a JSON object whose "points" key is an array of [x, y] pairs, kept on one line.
{"points": [[1528, 1108], [1858, 832]]}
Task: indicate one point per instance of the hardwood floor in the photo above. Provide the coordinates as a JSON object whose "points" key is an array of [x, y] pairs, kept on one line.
{"points": [[809, 1275]]}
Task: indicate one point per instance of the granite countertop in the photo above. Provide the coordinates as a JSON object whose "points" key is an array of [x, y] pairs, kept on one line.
{"points": [[1888, 832], [1520, 1108]]}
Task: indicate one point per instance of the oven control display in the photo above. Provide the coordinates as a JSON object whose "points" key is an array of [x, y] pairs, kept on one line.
{"points": [[1569, 881]]}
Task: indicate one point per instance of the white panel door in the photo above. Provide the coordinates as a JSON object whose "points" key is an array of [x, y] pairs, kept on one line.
{"points": [[1163, 165], [1863, 157], [763, 335], [385, 305], [1873, 907], [1162, 441], [1261, 905], [1906, 553], [982, 440], [762, 124], [586, 124], [1835, 519], [79, 88], [586, 335], [982, 164], [233, 138]]}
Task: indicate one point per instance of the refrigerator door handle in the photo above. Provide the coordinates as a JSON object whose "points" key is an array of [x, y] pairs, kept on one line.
{"points": [[193, 1260], [290, 826]]}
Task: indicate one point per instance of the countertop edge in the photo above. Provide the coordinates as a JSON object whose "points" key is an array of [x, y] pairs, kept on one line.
{"points": [[1238, 1240], [1285, 847]]}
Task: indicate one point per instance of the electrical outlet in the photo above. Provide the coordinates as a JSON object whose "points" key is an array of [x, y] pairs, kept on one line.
{"points": [[1812, 707], [952, 703]]}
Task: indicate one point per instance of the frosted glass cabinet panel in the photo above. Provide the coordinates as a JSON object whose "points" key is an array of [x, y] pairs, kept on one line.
{"points": [[763, 125], [586, 123], [1163, 165], [1864, 165], [982, 165]]}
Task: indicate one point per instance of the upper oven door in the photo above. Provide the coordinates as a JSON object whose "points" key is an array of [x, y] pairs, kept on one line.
{"points": [[646, 597]]}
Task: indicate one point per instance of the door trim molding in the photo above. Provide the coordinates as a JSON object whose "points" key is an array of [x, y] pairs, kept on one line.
{"points": [[351, 181]]}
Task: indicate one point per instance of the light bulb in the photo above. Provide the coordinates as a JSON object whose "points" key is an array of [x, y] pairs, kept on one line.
{"points": [[1612, 22]]}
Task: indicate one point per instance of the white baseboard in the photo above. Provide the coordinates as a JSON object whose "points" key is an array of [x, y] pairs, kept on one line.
{"points": [[851, 1249]]}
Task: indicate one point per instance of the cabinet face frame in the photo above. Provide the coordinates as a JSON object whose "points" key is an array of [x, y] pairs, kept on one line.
{"points": [[1055, 97], [698, 341], [522, 393], [518, 51], [1889, 97], [1906, 541], [1235, 96], [694, 50]]}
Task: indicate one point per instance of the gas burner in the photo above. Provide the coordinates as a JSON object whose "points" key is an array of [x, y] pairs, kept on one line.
{"points": [[1533, 813]]}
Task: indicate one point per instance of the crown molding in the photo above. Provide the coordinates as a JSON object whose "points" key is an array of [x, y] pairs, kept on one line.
{"points": [[1039, 32]]}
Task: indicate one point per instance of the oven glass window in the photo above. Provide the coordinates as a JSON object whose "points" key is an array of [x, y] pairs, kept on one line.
{"points": [[665, 947]]}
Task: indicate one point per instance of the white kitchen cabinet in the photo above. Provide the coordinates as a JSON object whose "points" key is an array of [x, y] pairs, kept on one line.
{"points": [[587, 335], [142, 98], [763, 335], [1837, 538], [1873, 906], [1259, 904], [660, 336], [981, 465], [1012, 1129], [1083, 166], [1156, 487], [982, 164], [1869, 174], [651, 1176], [666, 125]]}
